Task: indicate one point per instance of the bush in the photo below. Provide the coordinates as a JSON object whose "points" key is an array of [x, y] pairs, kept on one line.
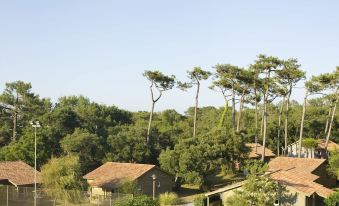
{"points": [[199, 200], [310, 143], [332, 200], [129, 187], [168, 198], [139, 201]]}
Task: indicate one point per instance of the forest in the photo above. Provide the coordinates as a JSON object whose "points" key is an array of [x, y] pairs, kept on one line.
{"points": [[258, 108]]}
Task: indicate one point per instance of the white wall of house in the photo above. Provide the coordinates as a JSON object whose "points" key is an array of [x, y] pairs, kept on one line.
{"points": [[293, 151]]}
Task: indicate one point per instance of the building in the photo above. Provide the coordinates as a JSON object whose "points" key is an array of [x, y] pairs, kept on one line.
{"points": [[17, 173], [318, 152], [306, 180], [255, 151], [107, 178]]}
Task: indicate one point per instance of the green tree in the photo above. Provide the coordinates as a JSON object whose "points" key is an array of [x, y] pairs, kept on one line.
{"points": [[61, 179], [289, 76], [195, 76], [266, 65], [192, 159], [161, 83], [89, 148], [126, 144], [21, 104]]}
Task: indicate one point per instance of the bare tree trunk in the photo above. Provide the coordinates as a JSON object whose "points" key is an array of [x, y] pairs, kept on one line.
{"points": [[265, 128], [150, 123], [241, 105], [265, 118], [331, 122], [302, 124], [151, 114], [286, 118], [15, 117], [196, 109], [15, 120], [233, 109], [262, 123], [256, 121], [328, 119], [279, 126]]}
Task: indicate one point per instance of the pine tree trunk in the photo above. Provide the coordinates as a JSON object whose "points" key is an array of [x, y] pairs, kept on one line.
{"points": [[264, 129], [196, 109], [265, 118], [233, 109], [332, 119], [150, 123], [279, 126], [328, 120], [15, 120], [240, 111], [286, 119], [15, 117], [302, 124]]}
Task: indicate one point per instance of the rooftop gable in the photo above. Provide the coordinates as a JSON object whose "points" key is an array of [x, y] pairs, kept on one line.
{"points": [[18, 173], [111, 174]]}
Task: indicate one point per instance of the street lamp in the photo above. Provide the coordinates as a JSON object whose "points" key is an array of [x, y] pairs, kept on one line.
{"points": [[35, 124], [154, 177]]}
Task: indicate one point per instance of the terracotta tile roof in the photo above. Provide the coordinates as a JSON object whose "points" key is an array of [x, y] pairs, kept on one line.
{"points": [[297, 173], [18, 173], [253, 154], [332, 146], [112, 174]]}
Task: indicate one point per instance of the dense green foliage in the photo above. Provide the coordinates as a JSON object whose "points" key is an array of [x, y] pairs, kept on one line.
{"points": [[139, 201], [62, 179], [332, 200], [97, 133], [333, 164]]}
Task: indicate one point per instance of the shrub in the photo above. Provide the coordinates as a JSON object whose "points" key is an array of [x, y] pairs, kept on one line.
{"points": [[168, 198], [310, 143], [139, 201], [332, 200], [199, 200]]}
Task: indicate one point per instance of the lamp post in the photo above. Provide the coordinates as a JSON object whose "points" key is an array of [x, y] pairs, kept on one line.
{"points": [[154, 177], [35, 124]]}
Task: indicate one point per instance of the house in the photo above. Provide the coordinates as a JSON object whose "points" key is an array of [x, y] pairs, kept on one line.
{"points": [[20, 175], [306, 180], [17, 173], [107, 178], [255, 151], [318, 152]]}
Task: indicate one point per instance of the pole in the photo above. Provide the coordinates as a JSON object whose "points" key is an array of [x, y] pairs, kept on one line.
{"points": [[7, 196], [154, 177], [153, 189], [35, 166]]}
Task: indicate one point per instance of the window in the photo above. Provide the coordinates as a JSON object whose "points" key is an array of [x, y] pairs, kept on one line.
{"points": [[158, 184]]}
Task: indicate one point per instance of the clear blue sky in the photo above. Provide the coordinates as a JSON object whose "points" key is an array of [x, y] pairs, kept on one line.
{"points": [[100, 48]]}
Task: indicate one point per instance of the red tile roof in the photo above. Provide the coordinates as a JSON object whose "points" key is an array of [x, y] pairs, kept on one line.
{"points": [[112, 174], [18, 173], [297, 173], [253, 154], [332, 146]]}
